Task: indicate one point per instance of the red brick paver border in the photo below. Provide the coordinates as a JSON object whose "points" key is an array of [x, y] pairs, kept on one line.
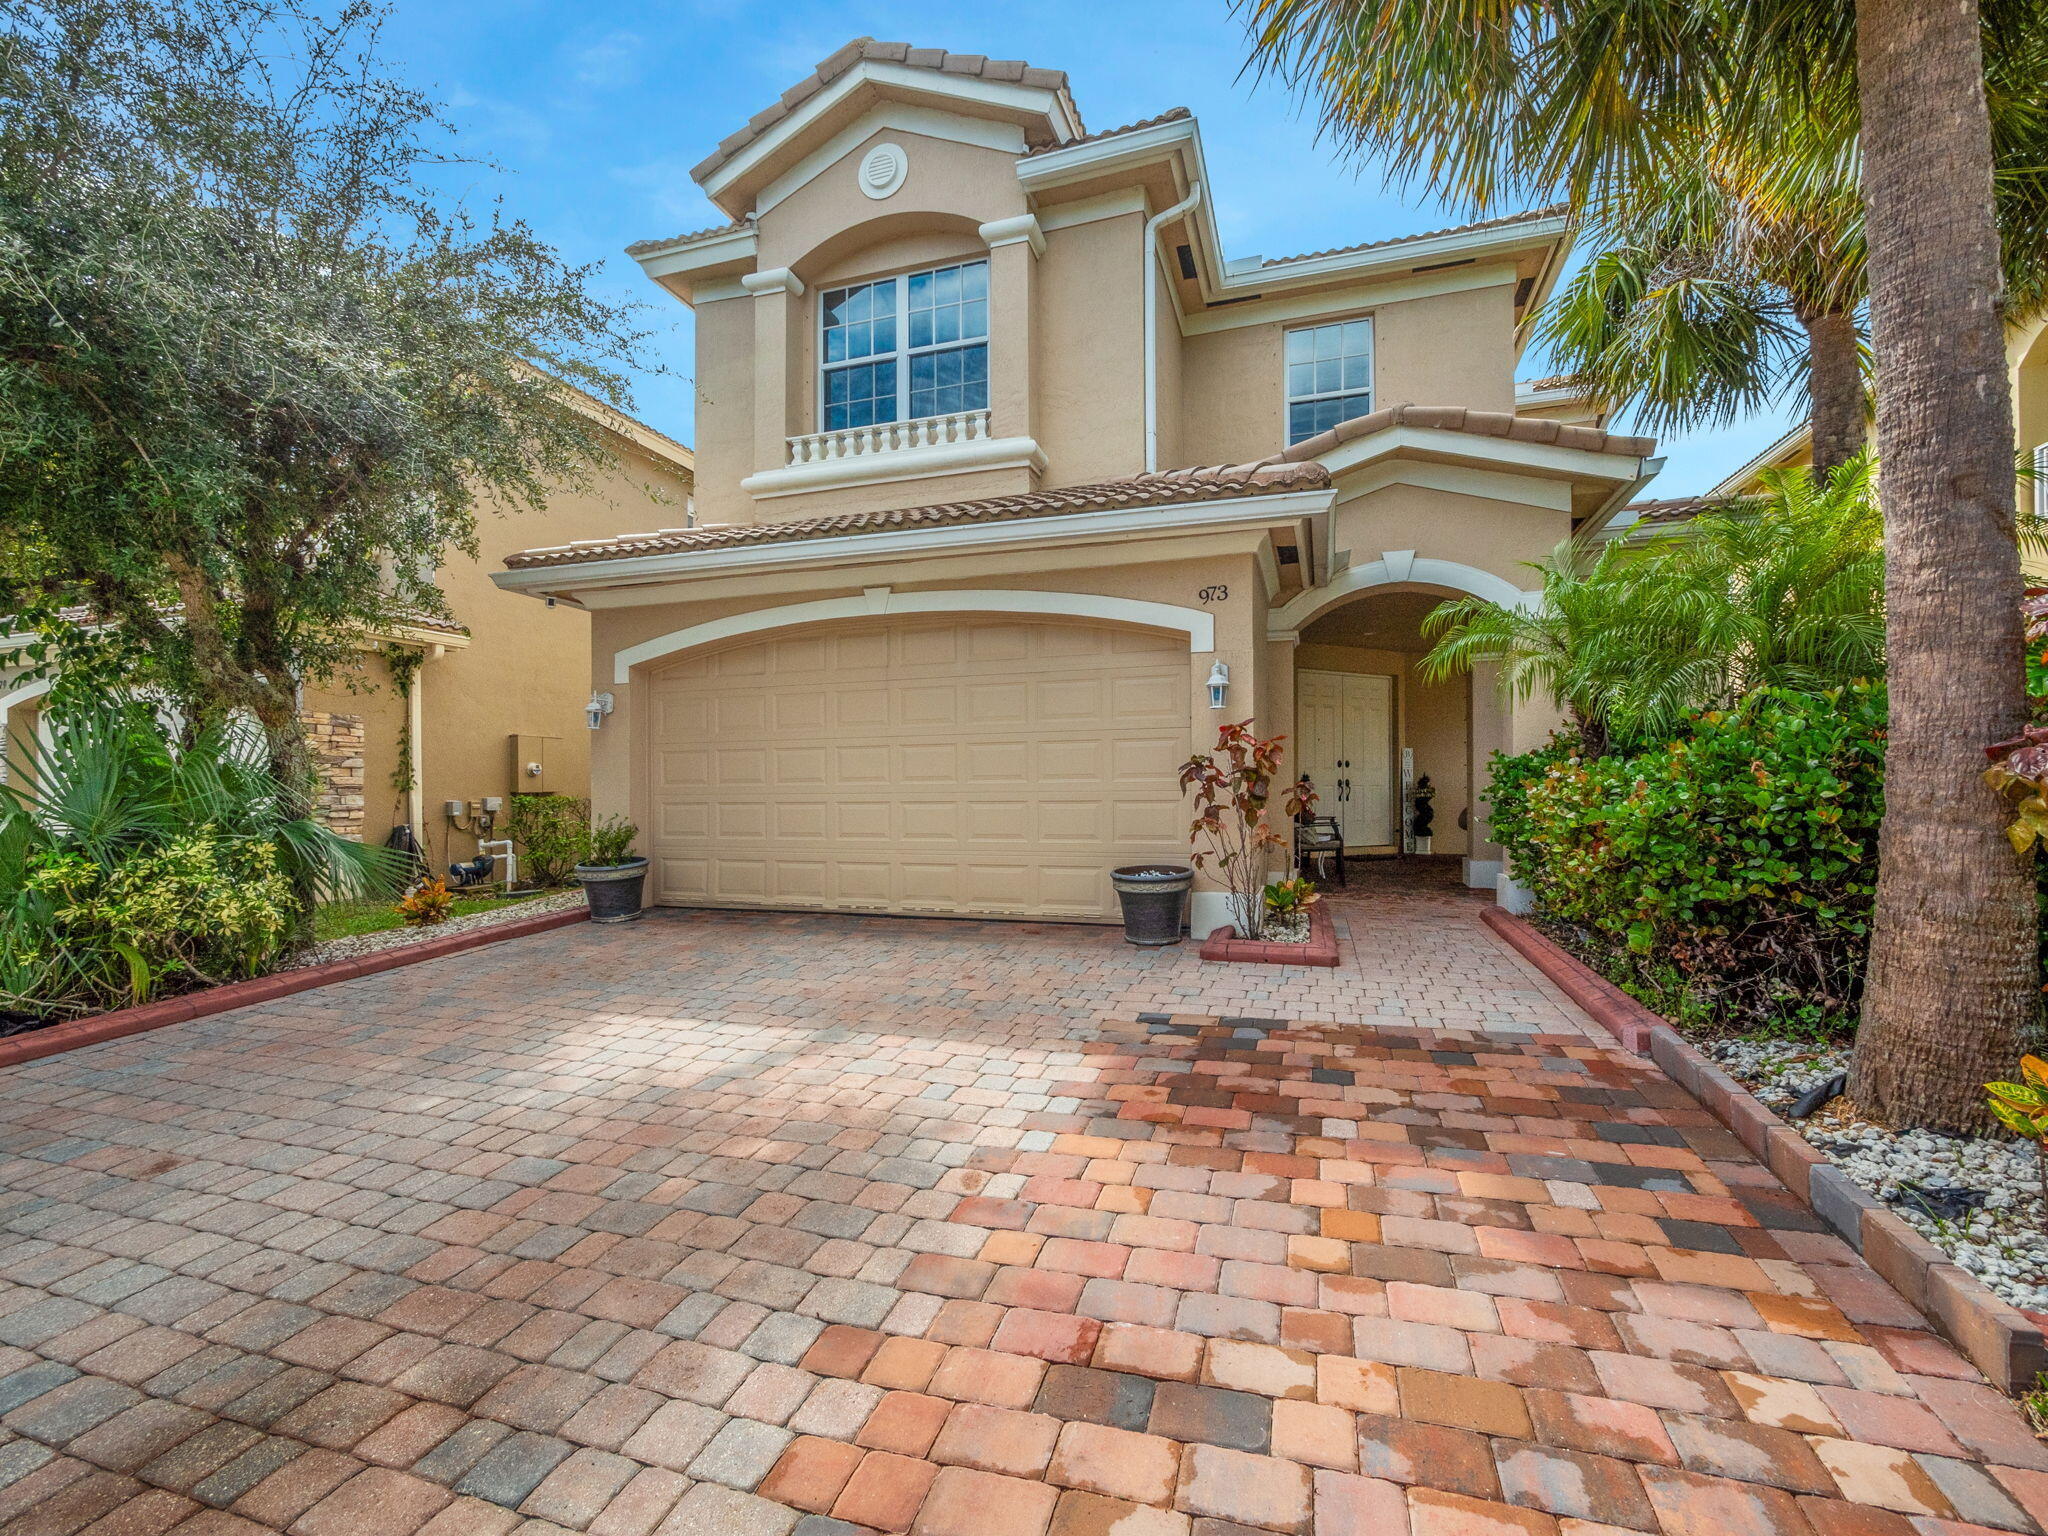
{"points": [[745, 1224]]}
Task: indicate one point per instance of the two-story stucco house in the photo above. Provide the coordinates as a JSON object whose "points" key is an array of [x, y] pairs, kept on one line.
{"points": [[958, 602]]}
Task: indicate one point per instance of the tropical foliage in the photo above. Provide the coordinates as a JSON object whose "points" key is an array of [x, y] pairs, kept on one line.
{"points": [[1726, 285], [256, 374], [427, 904], [132, 866], [1733, 865], [1940, 110], [1783, 590]]}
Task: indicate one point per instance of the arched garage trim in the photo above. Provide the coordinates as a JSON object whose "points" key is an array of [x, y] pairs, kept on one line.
{"points": [[22, 695], [1394, 568], [1199, 627]]}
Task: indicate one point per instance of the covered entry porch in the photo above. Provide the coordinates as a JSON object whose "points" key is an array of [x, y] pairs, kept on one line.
{"points": [[1373, 729]]}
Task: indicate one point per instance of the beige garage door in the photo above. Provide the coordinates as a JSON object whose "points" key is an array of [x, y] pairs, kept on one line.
{"points": [[994, 767]]}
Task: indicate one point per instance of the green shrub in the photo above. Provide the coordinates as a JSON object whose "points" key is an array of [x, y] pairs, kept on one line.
{"points": [[133, 866], [553, 834], [611, 840], [200, 909], [1736, 863]]}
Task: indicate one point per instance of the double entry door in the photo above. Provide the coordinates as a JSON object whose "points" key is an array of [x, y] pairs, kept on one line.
{"points": [[1346, 744]]}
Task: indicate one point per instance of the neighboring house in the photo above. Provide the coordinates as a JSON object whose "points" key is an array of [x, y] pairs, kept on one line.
{"points": [[950, 617], [502, 686], [2026, 357]]}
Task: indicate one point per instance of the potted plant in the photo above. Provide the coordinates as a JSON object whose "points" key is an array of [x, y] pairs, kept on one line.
{"points": [[1232, 786], [615, 879], [1154, 898]]}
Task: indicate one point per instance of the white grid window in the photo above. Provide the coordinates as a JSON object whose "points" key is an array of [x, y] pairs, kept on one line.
{"points": [[2041, 482], [1329, 376], [905, 347]]}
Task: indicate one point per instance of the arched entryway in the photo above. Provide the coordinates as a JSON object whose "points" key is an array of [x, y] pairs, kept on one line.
{"points": [[1369, 726]]}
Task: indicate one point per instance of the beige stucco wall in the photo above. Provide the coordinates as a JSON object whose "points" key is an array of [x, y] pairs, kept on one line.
{"points": [[525, 669], [725, 410], [1442, 349], [1496, 537], [1090, 405], [1066, 354]]}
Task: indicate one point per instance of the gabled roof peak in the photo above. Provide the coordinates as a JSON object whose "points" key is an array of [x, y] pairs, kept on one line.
{"points": [[863, 50]]}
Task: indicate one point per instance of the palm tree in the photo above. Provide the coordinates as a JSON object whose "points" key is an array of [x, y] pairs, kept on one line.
{"points": [[1781, 590], [1534, 97], [1719, 289], [1573, 645]]}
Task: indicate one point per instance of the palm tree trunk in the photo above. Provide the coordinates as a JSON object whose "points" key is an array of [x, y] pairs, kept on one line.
{"points": [[1834, 389], [1950, 994]]}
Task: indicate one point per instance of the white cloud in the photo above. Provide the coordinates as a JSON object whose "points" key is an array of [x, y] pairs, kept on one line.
{"points": [[613, 60]]}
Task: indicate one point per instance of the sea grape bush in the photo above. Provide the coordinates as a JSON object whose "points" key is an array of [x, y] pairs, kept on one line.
{"points": [[1739, 858]]}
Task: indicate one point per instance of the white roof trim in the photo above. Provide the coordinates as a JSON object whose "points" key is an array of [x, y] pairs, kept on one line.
{"points": [[1197, 624], [899, 543]]}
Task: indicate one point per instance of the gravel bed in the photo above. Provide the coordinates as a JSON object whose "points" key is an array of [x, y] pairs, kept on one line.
{"points": [[1977, 1198], [353, 945], [1286, 930]]}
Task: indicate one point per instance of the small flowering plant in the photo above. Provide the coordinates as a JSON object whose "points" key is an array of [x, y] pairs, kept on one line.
{"points": [[1232, 786]]}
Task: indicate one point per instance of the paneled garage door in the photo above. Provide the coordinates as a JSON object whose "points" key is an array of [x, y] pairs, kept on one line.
{"points": [[970, 766]]}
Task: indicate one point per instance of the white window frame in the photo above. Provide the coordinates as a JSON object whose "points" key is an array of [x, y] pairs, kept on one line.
{"points": [[2041, 481], [904, 351], [1372, 366]]}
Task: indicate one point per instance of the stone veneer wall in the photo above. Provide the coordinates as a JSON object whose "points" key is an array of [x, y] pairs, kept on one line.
{"points": [[337, 742]]}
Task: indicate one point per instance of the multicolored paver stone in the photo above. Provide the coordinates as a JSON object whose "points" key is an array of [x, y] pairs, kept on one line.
{"points": [[745, 1224]]}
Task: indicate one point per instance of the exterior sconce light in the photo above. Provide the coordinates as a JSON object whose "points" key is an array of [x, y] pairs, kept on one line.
{"points": [[1219, 684], [594, 712]]}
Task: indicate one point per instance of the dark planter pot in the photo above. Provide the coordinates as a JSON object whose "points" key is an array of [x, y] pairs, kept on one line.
{"points": [[614, 891], [1155, 901]]}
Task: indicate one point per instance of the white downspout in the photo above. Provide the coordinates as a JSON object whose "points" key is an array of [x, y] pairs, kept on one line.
{"points": [[1151, 280]]}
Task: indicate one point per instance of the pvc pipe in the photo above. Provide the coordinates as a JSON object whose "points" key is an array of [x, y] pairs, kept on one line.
{"points": [[1152, 228]]}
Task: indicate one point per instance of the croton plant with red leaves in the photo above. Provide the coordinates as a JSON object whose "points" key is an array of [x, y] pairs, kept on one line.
{"points": [[1232, 786]]}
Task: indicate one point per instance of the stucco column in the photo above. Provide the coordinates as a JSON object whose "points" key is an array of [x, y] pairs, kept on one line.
{"points": [[777, 315], [1014, 246]]}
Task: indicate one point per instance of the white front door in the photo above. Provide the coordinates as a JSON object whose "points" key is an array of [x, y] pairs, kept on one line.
{"points": [[1346, 722]]}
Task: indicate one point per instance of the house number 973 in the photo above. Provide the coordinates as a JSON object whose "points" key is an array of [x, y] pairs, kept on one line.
{"points": [[1215, 594]]}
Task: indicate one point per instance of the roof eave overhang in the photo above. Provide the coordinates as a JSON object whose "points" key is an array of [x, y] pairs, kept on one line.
{"points": [[681, 265], [1180, 142], [1546, 460], [1308, 509], [1403, 257]]}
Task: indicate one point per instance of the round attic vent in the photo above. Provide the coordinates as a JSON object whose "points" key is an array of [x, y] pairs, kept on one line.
{"points": [[882, 170]]}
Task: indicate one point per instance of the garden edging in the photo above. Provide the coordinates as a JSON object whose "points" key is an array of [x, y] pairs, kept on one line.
{"points": [[58, 1038], [1999, 1339], [1321, 948]]}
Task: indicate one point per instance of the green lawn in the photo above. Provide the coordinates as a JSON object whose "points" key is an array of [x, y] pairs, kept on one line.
{"points": [[344, 919]]}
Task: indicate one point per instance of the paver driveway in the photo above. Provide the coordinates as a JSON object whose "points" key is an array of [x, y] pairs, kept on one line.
{"points": [[736, 1225]]}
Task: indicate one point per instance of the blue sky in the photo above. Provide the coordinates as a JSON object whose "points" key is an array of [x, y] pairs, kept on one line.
{"points": [[596, 112]]}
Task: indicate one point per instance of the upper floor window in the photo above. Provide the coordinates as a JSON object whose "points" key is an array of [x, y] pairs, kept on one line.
{"points": [[1329, 376], [906, 347]]}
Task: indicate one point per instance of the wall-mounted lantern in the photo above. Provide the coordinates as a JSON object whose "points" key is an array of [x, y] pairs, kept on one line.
{"points": [[1219, 684], [594, 712]]}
